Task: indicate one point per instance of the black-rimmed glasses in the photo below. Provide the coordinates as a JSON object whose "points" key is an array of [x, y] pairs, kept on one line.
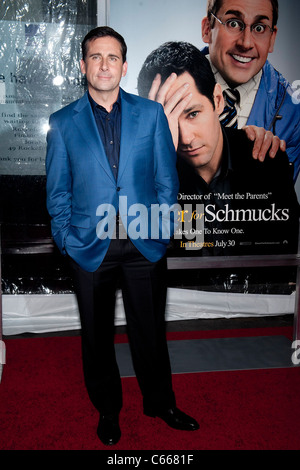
{"points": [[237, 26]]}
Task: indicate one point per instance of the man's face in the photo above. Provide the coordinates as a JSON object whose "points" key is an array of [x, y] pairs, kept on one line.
{"points": [[200, 135], [240, 57], [103, 65]]}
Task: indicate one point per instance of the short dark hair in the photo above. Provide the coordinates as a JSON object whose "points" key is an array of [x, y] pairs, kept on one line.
{"points": [[100, 32], [213, 6], [177, 57]]}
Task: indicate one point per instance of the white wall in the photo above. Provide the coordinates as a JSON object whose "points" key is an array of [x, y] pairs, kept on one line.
{"points": [[146, 24]]}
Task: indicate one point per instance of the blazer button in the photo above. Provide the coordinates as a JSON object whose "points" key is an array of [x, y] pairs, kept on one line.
{"points": [[118, 188]]}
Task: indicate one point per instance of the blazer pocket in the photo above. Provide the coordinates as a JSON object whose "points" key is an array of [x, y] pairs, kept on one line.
{"points": [[80, 220], [143, 139]]}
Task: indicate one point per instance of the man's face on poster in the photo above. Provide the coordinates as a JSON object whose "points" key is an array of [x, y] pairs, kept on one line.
{"points": [[240, 55], [200, 134]]}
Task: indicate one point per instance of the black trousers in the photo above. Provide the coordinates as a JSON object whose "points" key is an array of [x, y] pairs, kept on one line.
{"points": [[144, 295]]}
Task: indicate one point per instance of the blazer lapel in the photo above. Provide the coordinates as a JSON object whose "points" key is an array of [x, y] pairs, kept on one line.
{"points": [[86, 125], [129, 127]]}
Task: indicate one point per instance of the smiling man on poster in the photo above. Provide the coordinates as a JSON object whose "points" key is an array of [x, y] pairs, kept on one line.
{"points": [[240, 35]]}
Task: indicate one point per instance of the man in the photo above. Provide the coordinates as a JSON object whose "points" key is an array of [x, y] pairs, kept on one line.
{"points": [[253, 202], [106, 148], [240, 34]]}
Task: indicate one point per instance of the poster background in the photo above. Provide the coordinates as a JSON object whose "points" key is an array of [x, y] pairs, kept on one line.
{"points": [[39, 73]]}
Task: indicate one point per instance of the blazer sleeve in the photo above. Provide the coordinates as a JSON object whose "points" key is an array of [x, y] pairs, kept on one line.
{"points": [[59, 184]]}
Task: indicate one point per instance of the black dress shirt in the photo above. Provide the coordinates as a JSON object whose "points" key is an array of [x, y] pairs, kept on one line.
{"points": [[109, 127]]}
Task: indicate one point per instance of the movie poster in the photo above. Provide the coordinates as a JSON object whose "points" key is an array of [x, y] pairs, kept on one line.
{"points": [[245, 207]]}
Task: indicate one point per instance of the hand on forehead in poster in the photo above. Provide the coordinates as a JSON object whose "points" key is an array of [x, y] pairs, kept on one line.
{"points": [[174, 104], [264, 142]]}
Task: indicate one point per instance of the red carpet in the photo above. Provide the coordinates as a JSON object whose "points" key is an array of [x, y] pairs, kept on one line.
{"points": [[44, 405]]}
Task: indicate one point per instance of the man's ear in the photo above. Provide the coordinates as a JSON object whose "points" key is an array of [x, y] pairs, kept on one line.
{"points": [[124, 69], [273, 39], [218, 99], [82, 66], [206, 30]]}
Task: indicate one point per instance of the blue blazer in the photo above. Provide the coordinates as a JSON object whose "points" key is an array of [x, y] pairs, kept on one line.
{"points": [[82, 194]]}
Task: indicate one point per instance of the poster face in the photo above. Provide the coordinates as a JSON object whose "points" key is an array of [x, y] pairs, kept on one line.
{"points": [[39, 73]]}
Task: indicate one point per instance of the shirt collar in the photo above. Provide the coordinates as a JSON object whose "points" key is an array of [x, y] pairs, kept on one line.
{"points": [[226, 165], [244, 90], [95, 106]]}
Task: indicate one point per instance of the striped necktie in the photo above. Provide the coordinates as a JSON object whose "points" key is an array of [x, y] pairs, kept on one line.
{"points": [[228, 117]]}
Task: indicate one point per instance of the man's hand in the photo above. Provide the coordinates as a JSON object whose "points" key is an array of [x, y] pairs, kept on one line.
{"points": [[173, 105], [264, 142]]}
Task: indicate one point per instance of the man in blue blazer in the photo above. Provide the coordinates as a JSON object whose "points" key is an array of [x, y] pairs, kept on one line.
{"points": [[110, 164]]}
